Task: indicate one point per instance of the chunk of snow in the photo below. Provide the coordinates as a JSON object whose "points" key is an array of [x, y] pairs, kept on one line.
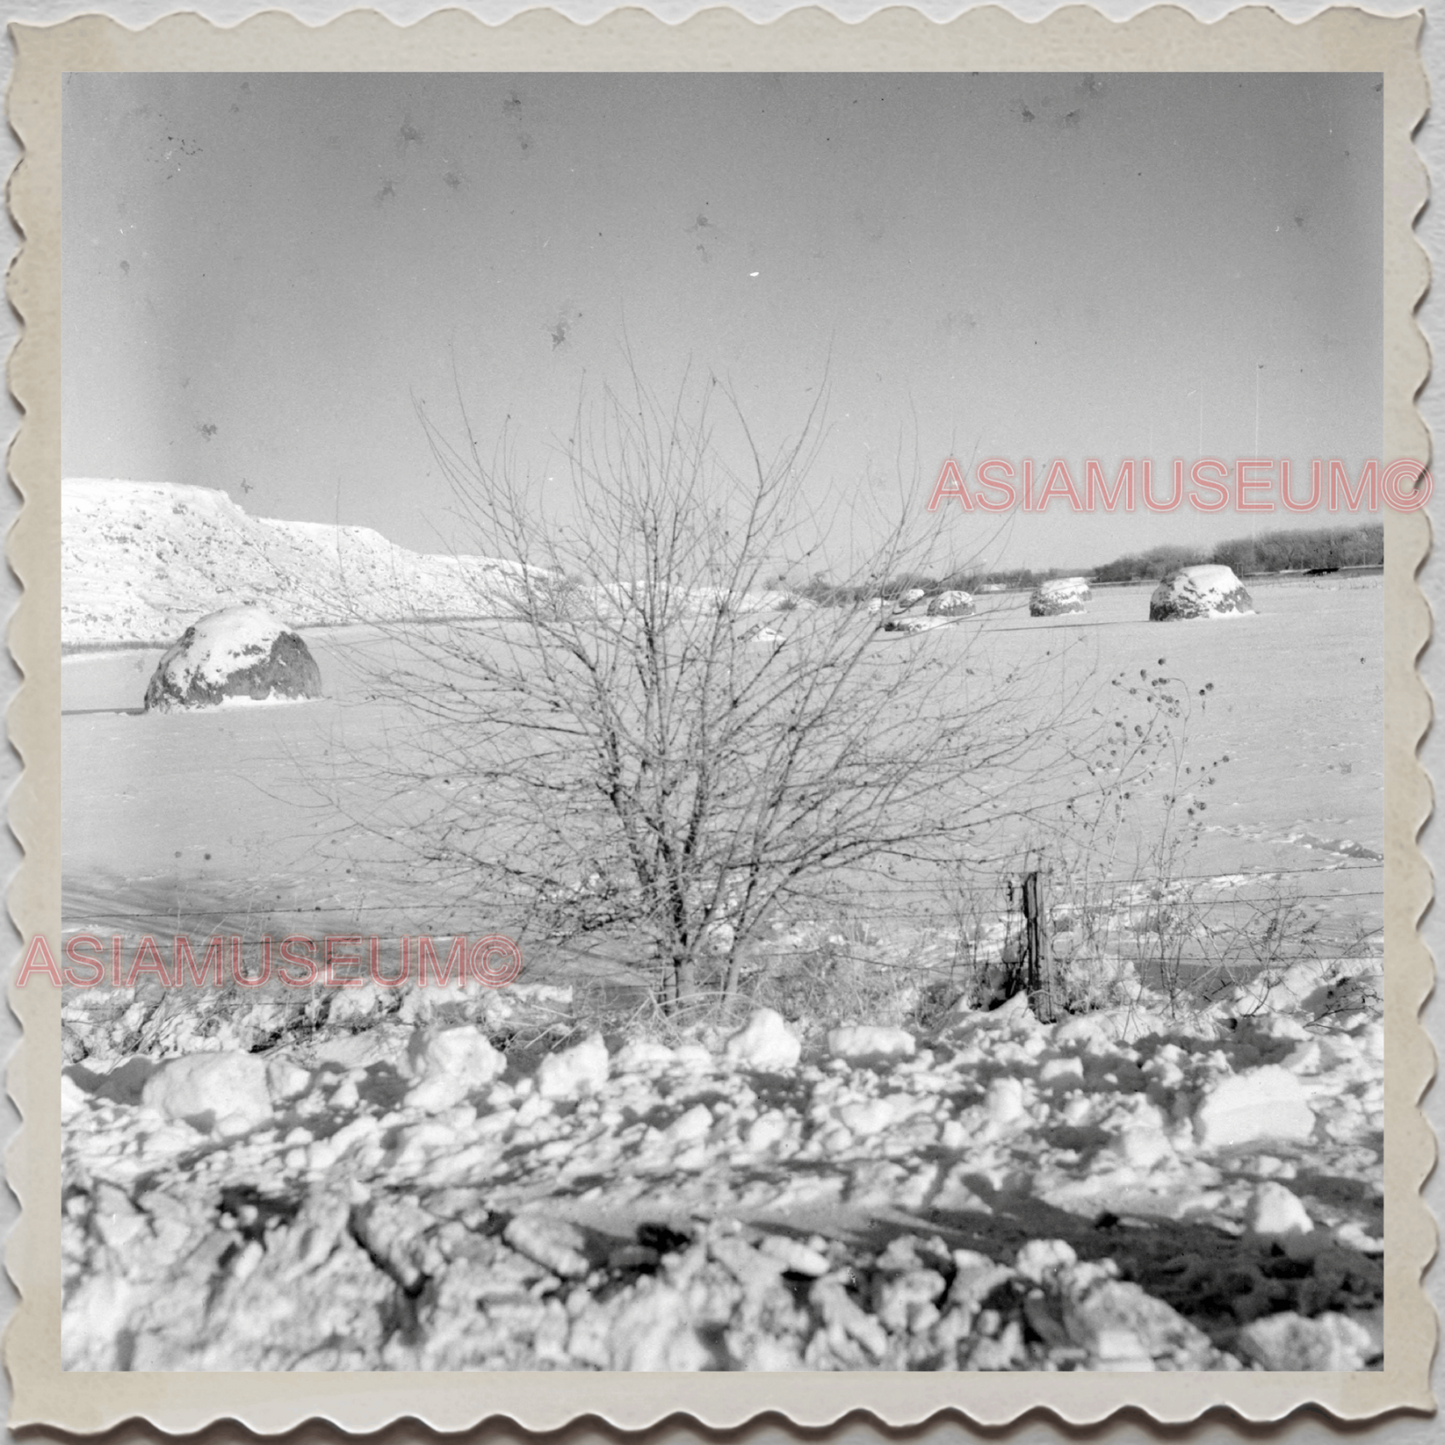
{"points": [[72, 1097], [766, 1131], [1277, 1216], [224, 1092], [765, 1044], [287, 1079], [1011, 1009], [867, 1117], [549, 995], [575, 1071], [1288, 1341], [1142, 1144], [1003, 1100], [905, 1302], [1095, 1033], [692, 1059], [1040, 1258], [449, 1064], [1062, 1073], [1372, 1040], [657, 1331], [553, 1243], [1264, 1103], [356, 1003], [1304, 1058], [1124, 1328], [695, 1124], [1313, 988], [642, 1056], [411, 1151], [794, 1255], [868, 1041]]}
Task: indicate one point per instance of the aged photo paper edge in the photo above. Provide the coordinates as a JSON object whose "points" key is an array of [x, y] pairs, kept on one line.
{"points": [[1078, 38]]}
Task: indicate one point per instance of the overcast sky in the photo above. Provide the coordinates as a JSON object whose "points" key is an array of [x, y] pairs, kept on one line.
{"points": [[262, 272]]}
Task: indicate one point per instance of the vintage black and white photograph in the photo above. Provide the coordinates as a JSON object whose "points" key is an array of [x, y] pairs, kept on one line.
{"points": [[723, 722]]}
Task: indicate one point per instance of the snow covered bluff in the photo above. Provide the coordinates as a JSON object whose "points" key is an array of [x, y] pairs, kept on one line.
{"points": [[140, 561]]}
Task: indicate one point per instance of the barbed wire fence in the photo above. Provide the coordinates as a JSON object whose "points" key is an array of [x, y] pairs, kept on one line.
{"points": [[893, 944]]}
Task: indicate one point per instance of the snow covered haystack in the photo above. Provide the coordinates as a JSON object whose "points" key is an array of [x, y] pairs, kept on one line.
{"points": [[1119, 1190], [903, 626], [241, 652], [1207, 591], [1059, 595], [954, 603], [764, 634]]}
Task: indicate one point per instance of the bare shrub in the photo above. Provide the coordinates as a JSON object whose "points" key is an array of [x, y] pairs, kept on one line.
{"points": [[636, 749]]}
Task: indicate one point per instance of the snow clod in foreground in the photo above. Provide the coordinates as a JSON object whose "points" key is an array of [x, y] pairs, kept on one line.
{"points": [[794, 1255], [1276, 1215], [286, 1078], [449, 1064], [552, 1243], [1004, 1100], [868, 1041], [1289, 1342], [1259, 1104], [643, 1056], [575, 1071], [1041, 1258], [766, 1044], [226, 1093], [1122, 1328]]}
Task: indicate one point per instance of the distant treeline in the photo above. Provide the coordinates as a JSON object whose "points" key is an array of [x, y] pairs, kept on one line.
{"points": [[1362, 545], [835, 594]]}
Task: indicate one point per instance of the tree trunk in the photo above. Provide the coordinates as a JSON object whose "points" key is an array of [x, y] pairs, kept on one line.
{"points": [[685, 981], [730, 979]]}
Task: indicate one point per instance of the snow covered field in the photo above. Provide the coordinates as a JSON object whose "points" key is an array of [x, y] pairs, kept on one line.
{"points": [[217, 815], [410, 1180]]}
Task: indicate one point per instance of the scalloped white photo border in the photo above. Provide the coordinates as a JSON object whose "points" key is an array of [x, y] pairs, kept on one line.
{"points": [[1077, 38]]}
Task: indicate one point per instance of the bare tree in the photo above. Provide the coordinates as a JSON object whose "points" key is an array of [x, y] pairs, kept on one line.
{"points": [[647, 740]]}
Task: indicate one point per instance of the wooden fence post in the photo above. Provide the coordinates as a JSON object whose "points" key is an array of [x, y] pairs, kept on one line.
{"points": [[1038, 959]]}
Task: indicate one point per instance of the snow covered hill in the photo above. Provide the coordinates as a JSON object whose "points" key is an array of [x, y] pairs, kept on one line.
{"points": [[140, 561]]}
